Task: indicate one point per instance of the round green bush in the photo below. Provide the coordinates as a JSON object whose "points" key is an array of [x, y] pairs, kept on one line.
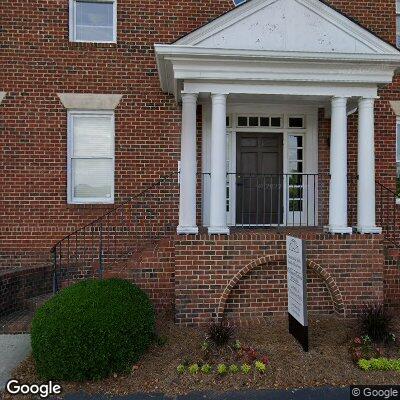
{"points": [[92, 329]]}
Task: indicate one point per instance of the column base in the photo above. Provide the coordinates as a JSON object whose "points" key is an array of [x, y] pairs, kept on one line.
{"points": [[187, 230], [218, 230], [369, 229], [342, 230]]}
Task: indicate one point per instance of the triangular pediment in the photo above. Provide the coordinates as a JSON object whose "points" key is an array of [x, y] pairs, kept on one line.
{"points": [[289, 26]]}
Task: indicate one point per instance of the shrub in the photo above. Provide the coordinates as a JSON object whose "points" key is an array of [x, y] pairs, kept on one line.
{"points": [[206, 368], [376, 322], [222, 369], [245, 368], [260, 366], [220, 333], [92, 329], [194, 369], [233, 369], [180, 369], [379, 364]]}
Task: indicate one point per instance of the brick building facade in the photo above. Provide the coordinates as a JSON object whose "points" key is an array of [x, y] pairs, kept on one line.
{"points": [[202, 276]]}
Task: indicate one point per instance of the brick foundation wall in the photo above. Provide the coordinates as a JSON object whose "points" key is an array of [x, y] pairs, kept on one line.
{"points": [[19, 284], [209, 277]]}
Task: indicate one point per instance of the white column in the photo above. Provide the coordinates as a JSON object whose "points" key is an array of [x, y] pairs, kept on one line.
{"points": [[338, 168], [366, 168], [187, 198], [218, 221]]}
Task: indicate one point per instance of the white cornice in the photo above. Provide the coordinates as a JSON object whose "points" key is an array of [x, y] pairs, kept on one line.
{"points": [[89, 101], [2, 95]]}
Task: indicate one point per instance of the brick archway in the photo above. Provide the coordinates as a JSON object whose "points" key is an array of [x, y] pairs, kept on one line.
{"points": [[326, 277]]}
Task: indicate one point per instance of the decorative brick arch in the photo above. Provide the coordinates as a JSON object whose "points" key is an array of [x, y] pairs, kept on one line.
{"points": [[326, 277]]}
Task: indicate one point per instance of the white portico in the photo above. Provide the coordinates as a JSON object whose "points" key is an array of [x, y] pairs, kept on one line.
{"points": [[275, 59]]}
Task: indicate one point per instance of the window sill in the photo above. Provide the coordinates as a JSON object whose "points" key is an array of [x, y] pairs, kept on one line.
{"points": [[398, 201]]}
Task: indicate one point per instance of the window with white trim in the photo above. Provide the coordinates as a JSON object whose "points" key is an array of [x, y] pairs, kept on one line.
{"points": [[90, 157], [93, 21], [398, 158], [398, 23]]}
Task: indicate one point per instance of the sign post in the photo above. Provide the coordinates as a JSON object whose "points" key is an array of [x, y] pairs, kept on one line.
{"points": [[297, 289]]}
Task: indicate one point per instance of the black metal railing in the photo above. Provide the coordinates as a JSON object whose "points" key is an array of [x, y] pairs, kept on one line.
{"points": [[120, 234], [270, 200], [386, 210]]}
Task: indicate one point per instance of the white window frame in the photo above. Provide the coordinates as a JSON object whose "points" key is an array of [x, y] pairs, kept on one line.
{"points": [[72, 21], [397, 27], [70, 146], [397, 160]]}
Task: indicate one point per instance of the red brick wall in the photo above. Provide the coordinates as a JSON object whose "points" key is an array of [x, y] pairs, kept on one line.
{"points": [[19, 284], [263, 292], [37, 62], [204, 266]]}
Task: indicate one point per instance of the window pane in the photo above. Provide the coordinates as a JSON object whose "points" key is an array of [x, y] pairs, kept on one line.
{"points": [[398, 6], [92, 178], [253, 121], [398, 180], [94, 21], [275, 122], [92, 136], [295, 122], [295, 141], [242, 121], [264, 121]]}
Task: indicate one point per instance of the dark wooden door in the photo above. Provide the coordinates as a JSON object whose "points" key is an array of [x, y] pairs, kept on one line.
{"points": [[259, 194]]}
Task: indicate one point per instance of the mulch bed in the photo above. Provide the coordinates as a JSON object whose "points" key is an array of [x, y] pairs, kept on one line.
{"points": [[328, 362]]}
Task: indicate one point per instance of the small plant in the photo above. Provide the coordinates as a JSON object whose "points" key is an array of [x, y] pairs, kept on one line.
{"points": [[265, 360], [260, 367], [237, 345], [205, 346], [161, 340], [206, 369], [220, 333], [180, 369], [379, 364], [251, 354], [233, 369], [363, 348], [194, 369], [376, 322], [222, 369], [245, 368]]}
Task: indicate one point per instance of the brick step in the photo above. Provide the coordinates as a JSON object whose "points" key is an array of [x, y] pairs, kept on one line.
{"points": [[17, 322], [34, 303]]}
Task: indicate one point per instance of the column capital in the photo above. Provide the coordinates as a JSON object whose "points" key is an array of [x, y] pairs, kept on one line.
{"points": [[219, 95], [189, 97], [338, 101], [366, 102]]}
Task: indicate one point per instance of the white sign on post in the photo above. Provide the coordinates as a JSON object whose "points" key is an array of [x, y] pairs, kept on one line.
{"points": [[297, 289]]}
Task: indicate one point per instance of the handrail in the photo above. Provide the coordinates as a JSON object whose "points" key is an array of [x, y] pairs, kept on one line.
{"points": [[116, 208], [121, 232], [386, 205]]}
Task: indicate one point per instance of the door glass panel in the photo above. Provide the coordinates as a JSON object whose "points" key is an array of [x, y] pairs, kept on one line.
{"points": [[295, 156]]}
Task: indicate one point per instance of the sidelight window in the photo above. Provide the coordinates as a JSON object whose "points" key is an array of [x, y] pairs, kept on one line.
{"points": [[295, 169]]}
